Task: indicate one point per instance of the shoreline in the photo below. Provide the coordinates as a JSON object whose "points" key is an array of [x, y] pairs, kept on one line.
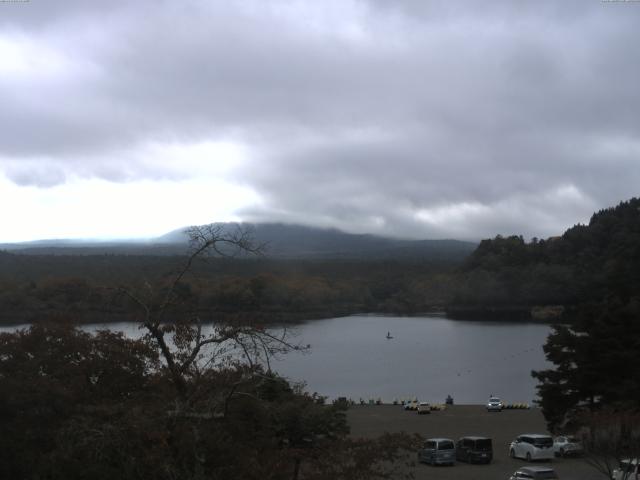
{"points": [[270, 318]]}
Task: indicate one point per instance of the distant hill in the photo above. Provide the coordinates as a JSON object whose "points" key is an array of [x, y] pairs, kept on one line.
{"points": [[281, 240]]}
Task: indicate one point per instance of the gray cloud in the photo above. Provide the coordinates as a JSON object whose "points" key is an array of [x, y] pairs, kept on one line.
{"points": [[412, 118], [38, 174]]}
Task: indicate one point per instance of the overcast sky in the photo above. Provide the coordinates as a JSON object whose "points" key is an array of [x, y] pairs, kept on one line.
{"points": [[412, 118]]}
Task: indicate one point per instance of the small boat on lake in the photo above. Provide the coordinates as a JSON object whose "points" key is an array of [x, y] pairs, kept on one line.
{"points": [[389, 336]]}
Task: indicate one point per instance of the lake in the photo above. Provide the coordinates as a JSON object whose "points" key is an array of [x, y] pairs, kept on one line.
{"points": [[428, 357]]}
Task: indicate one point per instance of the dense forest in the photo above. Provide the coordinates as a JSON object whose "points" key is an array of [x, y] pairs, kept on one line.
{"points": [[85, 287], [595, 382], [510, 275]]}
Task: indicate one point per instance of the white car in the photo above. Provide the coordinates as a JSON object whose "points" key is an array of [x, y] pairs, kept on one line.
{"points": [[494, 405], [424, 408], [532, 446], [566, 445], [628, 470]]}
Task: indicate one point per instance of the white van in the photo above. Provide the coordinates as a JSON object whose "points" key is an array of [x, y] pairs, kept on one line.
{"points": [[532, 446]]}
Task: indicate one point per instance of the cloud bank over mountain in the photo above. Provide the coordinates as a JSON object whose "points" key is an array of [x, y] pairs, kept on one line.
{"points": [[420, 119]]}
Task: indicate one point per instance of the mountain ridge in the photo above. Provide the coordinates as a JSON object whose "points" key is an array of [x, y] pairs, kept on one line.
{"points": [[281, 240]]}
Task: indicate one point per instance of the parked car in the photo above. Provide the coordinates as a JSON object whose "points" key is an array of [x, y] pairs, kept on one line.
{"points": [[423, 408], [565, 445], [628, 470], [412, 405], [474, 450], [494, 405], [438, 451], [532, 446], [536, 473]]}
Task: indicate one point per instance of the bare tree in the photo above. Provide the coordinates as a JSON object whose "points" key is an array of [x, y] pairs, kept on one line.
{"points": [[611, 438], [185, 345]]}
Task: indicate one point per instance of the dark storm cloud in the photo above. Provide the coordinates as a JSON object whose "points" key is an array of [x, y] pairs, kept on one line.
{"points": [[413, 118]]}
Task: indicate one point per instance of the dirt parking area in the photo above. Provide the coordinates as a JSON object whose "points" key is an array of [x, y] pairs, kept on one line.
{"points": [[458, 421]]}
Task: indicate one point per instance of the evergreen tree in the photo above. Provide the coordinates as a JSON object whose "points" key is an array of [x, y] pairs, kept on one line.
{"points": [[597, 362]]}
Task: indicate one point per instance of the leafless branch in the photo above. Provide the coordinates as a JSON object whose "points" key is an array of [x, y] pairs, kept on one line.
{"points": [[611, 437], [188, 343]]}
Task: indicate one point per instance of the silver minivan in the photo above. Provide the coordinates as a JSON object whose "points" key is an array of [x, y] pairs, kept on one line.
{"points": [[438, 451]]}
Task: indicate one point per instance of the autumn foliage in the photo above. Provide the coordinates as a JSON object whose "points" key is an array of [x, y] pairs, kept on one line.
{"points": [[101, 406]]}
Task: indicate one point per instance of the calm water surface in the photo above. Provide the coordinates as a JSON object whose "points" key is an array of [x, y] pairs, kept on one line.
{"points": [[428, 357]]}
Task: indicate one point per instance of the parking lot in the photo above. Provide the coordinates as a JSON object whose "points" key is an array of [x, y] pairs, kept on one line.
{"points": [[461, 420]]}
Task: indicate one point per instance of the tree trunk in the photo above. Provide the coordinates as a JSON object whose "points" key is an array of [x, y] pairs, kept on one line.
{"points": [[296, 468]]}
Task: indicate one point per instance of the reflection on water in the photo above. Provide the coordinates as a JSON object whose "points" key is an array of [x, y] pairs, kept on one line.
{"points": [[428, 357]]}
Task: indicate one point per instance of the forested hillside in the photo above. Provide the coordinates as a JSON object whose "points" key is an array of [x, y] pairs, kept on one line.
{"points": [[587, 262], [596, 379]]}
